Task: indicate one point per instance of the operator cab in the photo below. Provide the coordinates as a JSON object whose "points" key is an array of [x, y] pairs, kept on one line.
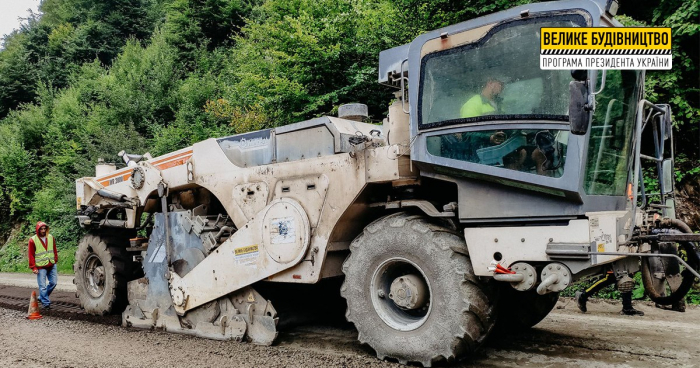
{"points": [[484, 114]]}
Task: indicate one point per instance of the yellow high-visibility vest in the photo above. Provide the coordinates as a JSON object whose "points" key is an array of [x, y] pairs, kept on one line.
{"points": [[476, 106], [43, 255]]}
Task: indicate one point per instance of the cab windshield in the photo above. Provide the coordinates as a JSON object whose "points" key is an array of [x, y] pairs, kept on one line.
{"points": [[495, 77]]}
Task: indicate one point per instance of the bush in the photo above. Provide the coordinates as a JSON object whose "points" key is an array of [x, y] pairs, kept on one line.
{"points": [[66, 258], [17, 169], [13, 257]]}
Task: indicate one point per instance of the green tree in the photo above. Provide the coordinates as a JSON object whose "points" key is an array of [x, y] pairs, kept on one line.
{"points": [[679, 86], [17, 74], [52, 44], [208, 24], [85, 79]]}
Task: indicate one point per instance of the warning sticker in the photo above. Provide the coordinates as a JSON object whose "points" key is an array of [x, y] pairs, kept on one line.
{"points": [[246, 255], [282, 230], [595, 222]]}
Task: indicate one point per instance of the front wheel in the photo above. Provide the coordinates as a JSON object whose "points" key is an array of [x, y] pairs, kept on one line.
{"points": [[101, 274], [412, 294]]}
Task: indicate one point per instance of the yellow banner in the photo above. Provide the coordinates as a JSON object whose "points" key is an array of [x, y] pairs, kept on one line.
{"points": [[603, 38]]}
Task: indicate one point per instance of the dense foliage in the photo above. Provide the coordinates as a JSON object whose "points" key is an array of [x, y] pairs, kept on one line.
{"points": [[85, 79]]}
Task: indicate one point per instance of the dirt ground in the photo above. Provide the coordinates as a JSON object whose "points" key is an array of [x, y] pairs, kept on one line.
{"points": [[601, 338]]}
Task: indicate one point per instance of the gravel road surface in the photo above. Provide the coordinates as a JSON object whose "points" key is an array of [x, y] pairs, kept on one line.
{"points": [[601, 338]]}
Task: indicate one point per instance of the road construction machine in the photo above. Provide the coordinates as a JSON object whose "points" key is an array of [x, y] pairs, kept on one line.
{"points": [[491, 186]]}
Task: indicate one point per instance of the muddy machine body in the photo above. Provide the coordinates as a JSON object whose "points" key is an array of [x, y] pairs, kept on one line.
{"points": [[431, 217]]}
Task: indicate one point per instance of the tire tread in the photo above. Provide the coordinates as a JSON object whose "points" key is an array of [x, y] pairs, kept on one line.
{"points": [[112, 251], [477, 315]]}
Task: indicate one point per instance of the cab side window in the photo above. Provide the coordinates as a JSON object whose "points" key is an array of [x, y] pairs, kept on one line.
{"points": [[534, 151], [610, 142]]}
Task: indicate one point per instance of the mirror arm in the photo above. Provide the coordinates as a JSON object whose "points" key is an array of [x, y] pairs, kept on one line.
{"points": [[590, 105], [602, 84]]}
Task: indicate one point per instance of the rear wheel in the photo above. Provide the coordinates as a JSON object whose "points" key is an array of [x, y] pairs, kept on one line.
{"points": [[412, 294], [665, 280], [102, 270]]}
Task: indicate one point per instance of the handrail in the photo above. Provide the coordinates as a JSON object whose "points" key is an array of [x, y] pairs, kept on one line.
{"points": [[403, 86]]}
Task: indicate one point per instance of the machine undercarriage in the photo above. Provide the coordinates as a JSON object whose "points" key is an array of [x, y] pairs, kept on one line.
{"points": [[242, 316]]}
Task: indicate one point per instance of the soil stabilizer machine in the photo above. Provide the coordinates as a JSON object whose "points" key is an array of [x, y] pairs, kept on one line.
{"points": [[444, 223]]}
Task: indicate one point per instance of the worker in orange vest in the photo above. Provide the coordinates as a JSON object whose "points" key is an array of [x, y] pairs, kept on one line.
{"points": [[43, 258]]}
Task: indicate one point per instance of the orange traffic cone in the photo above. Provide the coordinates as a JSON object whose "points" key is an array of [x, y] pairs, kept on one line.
{"points": [[33, 312]]}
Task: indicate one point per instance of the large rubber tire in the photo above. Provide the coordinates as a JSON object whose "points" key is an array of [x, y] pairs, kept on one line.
{"points": [[521, 310], [116, 272], [658, 296], [462, 310]]}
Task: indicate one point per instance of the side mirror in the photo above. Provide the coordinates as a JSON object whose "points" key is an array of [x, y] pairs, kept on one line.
{"points": [[667, 169], [578, 109], [580, 75]]}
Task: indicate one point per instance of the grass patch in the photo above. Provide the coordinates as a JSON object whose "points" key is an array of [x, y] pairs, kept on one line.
{"points": [[13, 256], [610, 292], [66, 258]]}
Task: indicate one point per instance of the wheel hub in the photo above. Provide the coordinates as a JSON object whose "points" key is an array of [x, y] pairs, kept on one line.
{"points": [[94, 276], [409, 292], [401, 294]]}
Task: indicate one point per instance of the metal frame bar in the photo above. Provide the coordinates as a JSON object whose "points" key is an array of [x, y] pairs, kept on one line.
{"points": [[602, 84], [687, 266], [666, 237], [403, 88], [637, 176]]}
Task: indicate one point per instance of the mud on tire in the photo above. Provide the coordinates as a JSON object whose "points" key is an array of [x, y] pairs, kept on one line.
{"points": [[461, 310], [102, 270]]}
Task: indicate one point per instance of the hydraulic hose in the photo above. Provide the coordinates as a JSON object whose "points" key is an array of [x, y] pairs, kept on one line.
{"points": [[688, 278], [223, 230], [682, 226], [104, 193]]}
